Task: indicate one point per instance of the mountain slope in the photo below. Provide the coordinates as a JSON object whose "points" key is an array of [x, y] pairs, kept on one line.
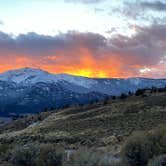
{"points": [[30, 90], [97, 125]]}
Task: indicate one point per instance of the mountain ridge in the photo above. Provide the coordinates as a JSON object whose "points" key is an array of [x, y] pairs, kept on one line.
{"points": [[29, 90], [66, 74]]}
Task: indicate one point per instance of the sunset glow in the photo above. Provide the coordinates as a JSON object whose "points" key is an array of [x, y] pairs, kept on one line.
{"points": [[83, 65], [84, 38]]}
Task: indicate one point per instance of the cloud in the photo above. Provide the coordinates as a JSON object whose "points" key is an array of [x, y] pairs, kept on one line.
{"points": [[88, 54], [143, 10], [98, 10], [85, 1], [1, 22], [156, 5], [35, 45]]}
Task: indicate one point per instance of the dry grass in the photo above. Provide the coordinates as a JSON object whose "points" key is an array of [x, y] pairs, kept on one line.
{"points": [[96, 125]]}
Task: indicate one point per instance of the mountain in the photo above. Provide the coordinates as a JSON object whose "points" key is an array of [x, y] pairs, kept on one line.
{"points": [[29, 90]]}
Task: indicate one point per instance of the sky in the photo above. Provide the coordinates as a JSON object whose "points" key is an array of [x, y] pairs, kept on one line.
{"points": [[93, 38]]}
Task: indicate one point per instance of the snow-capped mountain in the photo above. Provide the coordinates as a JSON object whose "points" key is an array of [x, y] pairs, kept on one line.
{"points": [[29, 76], [30, 90]]}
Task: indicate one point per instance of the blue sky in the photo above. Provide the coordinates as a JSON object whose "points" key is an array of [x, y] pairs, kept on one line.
{"points": [[52, 16]]}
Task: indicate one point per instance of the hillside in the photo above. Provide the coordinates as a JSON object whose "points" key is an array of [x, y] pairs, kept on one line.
{"points": [[98, 125]]}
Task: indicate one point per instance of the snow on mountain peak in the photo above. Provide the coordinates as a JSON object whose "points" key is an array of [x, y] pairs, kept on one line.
{"points": [[26, 75], [23, 71], [29, 76], [78, 80]]}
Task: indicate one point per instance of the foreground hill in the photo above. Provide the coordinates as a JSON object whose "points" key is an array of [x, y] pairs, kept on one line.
{"points": [[30, 90], [103, 126], [100, 124]]}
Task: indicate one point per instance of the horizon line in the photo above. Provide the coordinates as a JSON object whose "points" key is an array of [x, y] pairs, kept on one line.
{"points": [[76, 75]]}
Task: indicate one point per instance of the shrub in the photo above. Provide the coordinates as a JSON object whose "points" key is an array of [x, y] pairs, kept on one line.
{"points": [[130, 93], [49, 155], [139, 92], [106, 100], [24, 155], [85, 157], [137, 150], [6, 164], [37, 155], [3, 149], [158, 139], [5, 152], [158, 161], [113, 97], [123, 96], [141, 146]]}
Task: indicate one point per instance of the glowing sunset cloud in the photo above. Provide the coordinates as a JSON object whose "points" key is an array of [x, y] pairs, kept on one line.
{"points": [[84, 37]]}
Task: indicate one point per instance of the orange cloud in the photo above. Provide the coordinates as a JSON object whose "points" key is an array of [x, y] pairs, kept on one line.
{"points": [[82, 63], [87, 54]]}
